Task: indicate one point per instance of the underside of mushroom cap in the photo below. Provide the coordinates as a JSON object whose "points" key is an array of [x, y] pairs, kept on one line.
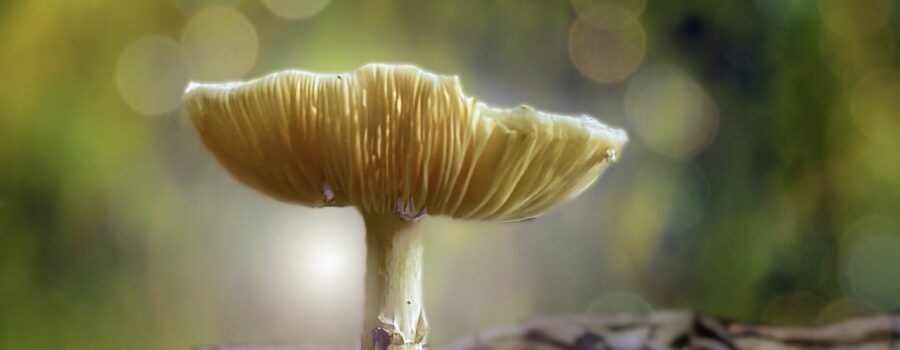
{"points": [[388, 138]]}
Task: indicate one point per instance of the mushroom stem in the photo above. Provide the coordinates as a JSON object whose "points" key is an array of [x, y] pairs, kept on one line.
{"points": [[395, 311]]}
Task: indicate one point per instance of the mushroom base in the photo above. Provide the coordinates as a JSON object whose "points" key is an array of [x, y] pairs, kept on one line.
{"points": [[395, 311]]}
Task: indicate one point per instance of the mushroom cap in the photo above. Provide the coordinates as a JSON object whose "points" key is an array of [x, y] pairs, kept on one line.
{"points": [[388, 138]]}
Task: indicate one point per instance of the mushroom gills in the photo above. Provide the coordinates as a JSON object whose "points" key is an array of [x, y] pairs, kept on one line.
{"points": [[389, 134]]}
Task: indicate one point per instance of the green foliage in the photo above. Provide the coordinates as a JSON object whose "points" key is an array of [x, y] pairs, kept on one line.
{"points": [[119, 231]]}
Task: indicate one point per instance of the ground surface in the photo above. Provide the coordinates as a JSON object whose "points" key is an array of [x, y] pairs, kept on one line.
{"points": [[661, 330]]}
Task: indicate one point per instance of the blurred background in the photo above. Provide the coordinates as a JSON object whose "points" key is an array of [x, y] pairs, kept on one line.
{"points": [[762, 182]]}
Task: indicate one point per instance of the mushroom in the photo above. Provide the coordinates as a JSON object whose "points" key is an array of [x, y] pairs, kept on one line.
{"points": [[397, 143]]}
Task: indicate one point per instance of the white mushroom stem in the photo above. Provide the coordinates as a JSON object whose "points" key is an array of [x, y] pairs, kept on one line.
{"points": [[395, 311]]}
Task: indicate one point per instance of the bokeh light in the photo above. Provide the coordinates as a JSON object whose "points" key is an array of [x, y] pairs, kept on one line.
{"points": [[608, 12], [871, 260], [313, 267], [760, 183], [670, 112], [856, 18], [607, 52], [321, 245], [151, 75], [853, 58], [875, 104], [222, 44], [190, 7], [295, 9]]}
